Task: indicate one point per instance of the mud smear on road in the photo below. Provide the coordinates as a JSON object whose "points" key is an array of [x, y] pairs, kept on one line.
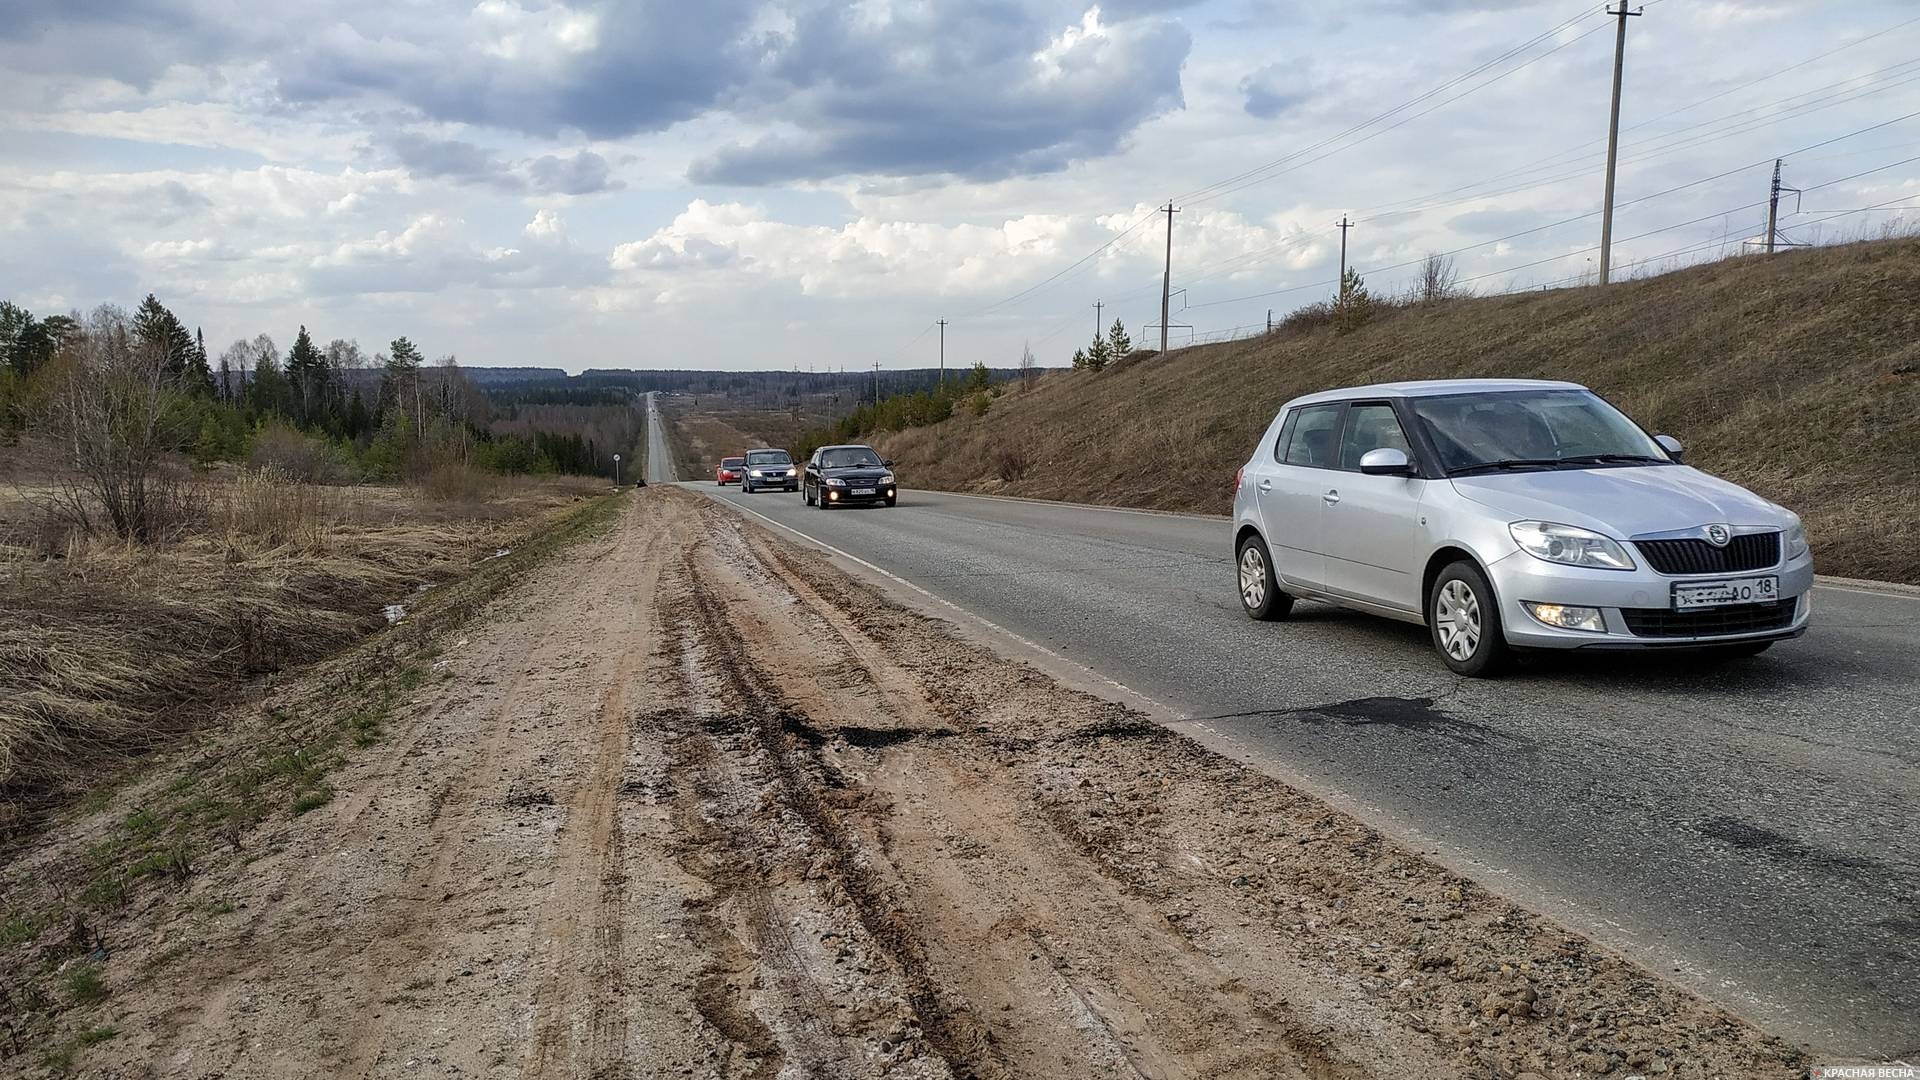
{"points": [[698, 804]]}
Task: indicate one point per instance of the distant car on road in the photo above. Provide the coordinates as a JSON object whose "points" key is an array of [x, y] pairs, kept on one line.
{"points": [[729, 471], [1509, 515], [844, 475], [770, 468]]}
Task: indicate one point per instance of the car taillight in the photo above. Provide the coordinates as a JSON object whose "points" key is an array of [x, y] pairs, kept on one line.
{"points": [[1239, 478]]}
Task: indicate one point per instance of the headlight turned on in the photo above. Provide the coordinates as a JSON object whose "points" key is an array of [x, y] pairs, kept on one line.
{"points": [[1569, 545]]}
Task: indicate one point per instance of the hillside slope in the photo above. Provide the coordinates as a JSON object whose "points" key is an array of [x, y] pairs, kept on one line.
{"points": [[1798, 376]]}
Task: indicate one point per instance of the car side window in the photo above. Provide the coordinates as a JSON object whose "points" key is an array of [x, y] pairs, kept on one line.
{"points": [[1286, 435], [1370, 427], [1312, 442]]}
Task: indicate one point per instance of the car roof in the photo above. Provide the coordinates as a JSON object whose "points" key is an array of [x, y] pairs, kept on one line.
{"points": [[848, 446], [768, 450], [735, 457], [1430, 388]]}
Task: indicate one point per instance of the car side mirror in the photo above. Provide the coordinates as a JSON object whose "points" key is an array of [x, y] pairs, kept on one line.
{"points": [[1386, 461], [887, 462], [1671, 445]]}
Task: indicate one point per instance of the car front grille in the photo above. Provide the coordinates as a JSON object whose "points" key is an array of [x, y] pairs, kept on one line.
{"points": [[1709, 622], [1747, 551]]}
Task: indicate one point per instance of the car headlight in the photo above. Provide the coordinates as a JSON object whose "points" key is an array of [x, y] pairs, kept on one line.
{"points": [[1569, 545], [836, 483], [1796, 540], [886, 478], [792, 472]]}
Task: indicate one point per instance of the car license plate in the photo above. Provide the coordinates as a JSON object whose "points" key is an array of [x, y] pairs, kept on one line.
{"points": [[1706, 594], [863, 491]]}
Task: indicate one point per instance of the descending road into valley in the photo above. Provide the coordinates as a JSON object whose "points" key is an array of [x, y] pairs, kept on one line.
{"points": [[1748, 829]]}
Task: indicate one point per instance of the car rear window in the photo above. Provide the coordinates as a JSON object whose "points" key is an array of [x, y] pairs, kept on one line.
{"points": [[731, 461], [1311, 442]]}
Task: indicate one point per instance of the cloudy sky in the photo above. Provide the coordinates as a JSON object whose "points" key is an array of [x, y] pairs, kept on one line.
{"points": [[765, 183]]}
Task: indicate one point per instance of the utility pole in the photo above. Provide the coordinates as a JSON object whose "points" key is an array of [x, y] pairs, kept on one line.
{"points": [[1613, 137], [1098, 326], [943, 352], [876, 384], [1166, 279], [1343, 225], [1773, 208]]}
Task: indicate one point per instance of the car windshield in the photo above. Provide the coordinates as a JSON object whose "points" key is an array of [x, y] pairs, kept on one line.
{"points": [[768, 457], [848, 457], [1531, 429]]}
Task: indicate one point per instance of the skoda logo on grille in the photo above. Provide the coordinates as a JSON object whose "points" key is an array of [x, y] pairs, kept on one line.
{"points": [[1717, 535]]}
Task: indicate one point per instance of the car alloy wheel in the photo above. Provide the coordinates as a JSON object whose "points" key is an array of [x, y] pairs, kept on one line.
{"points": [[1456, 618]]}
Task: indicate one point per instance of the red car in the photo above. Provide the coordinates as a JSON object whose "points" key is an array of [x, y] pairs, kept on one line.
{"points": [[731, 471]]}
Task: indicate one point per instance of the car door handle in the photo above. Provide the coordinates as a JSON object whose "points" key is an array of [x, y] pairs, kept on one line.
{"points": [[1330, 498], [1266, 485]]}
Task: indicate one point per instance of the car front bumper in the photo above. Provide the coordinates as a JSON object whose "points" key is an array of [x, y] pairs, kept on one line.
{"points": [[791, 483], [846, 497], [1637, 606]]}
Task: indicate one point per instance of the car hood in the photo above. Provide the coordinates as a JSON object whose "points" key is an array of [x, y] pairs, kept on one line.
{"points": [[774, 466], [1621, 502], [857, 472]]}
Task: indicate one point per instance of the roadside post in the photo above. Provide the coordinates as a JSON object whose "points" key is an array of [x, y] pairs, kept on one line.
{"points": [[616, 470]]}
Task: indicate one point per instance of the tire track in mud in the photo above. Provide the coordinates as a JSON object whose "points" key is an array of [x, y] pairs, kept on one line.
{"points": [[764, 720], [897, 715]]}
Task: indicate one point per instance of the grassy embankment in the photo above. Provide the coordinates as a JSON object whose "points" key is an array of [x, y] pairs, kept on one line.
{"points": [[1798, 376], [111, 649]]}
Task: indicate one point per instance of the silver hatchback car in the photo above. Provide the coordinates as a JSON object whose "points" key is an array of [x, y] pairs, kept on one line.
{"points": [[1511, 514]]}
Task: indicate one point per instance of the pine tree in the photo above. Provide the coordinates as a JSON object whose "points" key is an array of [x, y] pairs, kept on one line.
{"points": [[1118, 342], [401, 384], [307, 372], [1354, 306], [979, 378], [269, 391], [1099, 355], [24, 343], [1079, 359], [159, 330], [199, 371]]}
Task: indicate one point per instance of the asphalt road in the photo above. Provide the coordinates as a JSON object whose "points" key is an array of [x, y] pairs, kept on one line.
{"points": [[660, 465], [1748, 828]]}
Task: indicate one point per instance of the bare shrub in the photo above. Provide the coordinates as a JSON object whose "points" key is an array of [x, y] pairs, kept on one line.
{"points": [[1010, 462], [297, 454], [1439, 280], [1302, 319], [108, 416], [272, 506], [454, 481]]}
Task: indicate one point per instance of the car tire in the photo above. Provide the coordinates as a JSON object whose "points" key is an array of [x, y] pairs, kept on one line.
{"points": [[1463, 620], [893, 500], [1260, 595], [806, 496]]}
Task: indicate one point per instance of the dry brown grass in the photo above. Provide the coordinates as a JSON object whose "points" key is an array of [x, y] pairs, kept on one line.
{"points": [[109, 648], [1798, 376]]}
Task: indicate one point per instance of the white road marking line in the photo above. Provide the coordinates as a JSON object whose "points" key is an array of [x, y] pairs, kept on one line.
{"points": [[1887, 595]]}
